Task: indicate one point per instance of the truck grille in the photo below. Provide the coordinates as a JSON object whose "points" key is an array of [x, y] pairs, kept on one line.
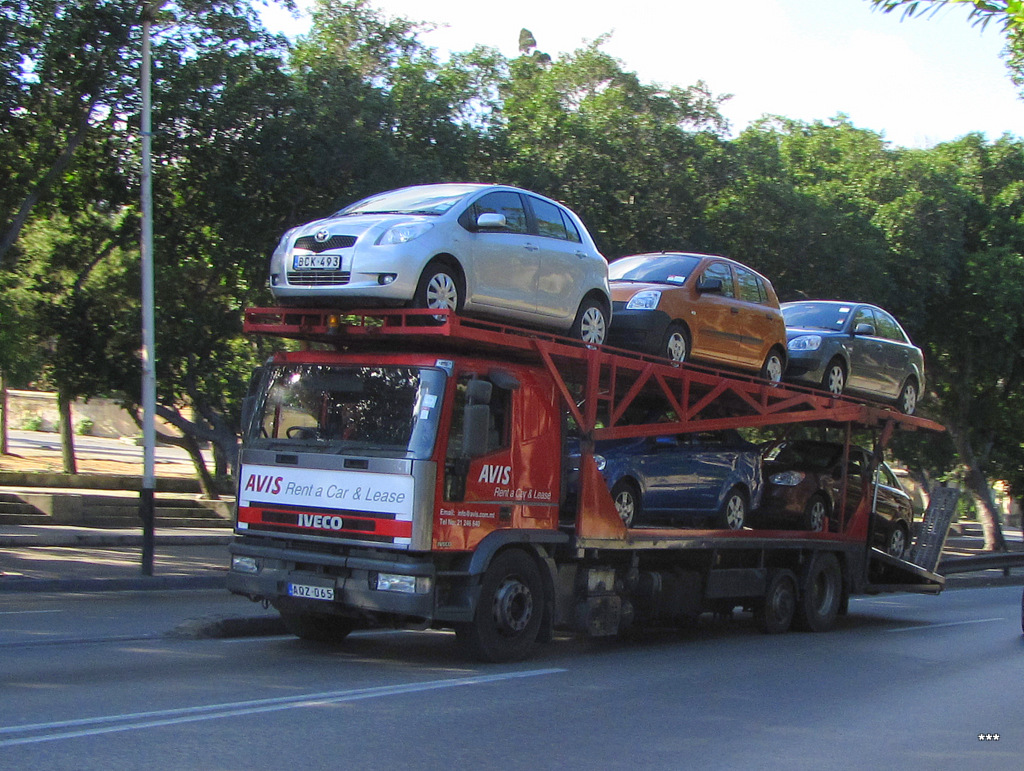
{"points": [[310, 244], [319, 277]]}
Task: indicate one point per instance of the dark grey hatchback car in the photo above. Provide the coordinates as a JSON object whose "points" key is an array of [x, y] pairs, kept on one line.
{"points": [[853, 348]]}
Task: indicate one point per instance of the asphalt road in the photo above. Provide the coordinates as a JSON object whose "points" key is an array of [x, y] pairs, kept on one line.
{"points": [[906, 681]]}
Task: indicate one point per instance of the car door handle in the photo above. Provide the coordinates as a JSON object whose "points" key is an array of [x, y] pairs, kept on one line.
{"points": [[581, 255], [531, 247], [734, 310]]}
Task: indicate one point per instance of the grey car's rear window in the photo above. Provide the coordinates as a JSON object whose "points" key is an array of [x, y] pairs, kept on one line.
{"points": [[830, 316]]}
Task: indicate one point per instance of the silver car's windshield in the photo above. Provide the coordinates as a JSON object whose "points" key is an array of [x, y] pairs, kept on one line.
{"points": [[429, 199], [828, 316], [366, 410], [654, 269]]}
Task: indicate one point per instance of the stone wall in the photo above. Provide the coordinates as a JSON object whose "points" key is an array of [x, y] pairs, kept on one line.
{"points": [[37, 410]]}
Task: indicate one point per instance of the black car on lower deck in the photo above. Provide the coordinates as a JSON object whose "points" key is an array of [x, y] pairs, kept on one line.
{"points": [[803, 489]]}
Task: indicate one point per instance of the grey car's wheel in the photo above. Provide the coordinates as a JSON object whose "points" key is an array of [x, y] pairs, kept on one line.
{"points": [[591, 324], [898, 541], [509, 612], [773, 367], [733, 514], [440, 288], [821, 594], [907, 403], [627, 501], [774, 614], [834, 379], [676, 345], [815, 513]]}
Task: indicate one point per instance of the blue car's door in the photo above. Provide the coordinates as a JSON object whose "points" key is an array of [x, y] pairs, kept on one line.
{"points": [[684, 475]]}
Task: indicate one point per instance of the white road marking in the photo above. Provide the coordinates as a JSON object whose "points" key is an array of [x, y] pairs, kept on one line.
{"points": [[939, 626], [72, 729], [26, 612]]}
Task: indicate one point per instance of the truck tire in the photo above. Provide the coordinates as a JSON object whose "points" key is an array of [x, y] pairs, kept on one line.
{"points": [[509, 612], [317, 628], [774, 614], [821, 594]]}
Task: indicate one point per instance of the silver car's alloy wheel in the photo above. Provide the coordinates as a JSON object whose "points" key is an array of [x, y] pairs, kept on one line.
{"points": [[593, 327]]}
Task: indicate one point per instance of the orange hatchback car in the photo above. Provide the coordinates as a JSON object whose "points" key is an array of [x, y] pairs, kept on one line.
{"points": [[697, 307]]}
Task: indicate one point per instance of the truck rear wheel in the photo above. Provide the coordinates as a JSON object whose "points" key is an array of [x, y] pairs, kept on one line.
{"points": [[821, 594], [774, 615], [509, 612], [311, 626]]}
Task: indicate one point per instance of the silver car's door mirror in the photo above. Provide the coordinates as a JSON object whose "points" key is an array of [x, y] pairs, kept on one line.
{"points": [[490, 221]]}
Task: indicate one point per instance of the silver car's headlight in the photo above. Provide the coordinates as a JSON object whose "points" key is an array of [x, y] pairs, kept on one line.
{"points": [[644, 301], [805, 343], [399, 234], [284, 244]]}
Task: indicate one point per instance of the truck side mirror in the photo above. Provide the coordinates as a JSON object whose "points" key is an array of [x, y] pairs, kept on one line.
{"points": [[476, 425]]}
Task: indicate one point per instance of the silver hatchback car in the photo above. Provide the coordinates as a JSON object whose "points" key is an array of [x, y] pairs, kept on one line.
{"points": [[483, 250]]}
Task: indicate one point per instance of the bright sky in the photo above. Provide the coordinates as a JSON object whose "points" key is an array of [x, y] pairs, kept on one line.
{"points": [[917, 82]]}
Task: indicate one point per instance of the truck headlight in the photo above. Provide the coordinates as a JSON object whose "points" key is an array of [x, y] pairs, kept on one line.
{"points": [[244, 564], [396, 582]]}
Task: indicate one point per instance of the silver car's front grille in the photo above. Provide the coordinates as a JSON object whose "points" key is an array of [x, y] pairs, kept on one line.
{"points": [[309, 243], [318, 277]]}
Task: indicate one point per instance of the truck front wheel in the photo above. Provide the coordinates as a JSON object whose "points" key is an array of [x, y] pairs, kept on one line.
{"points": [[509, 612]]}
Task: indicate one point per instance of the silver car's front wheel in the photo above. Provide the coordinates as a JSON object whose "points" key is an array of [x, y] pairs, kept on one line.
{"points": [[591, 325], [439, 289]]}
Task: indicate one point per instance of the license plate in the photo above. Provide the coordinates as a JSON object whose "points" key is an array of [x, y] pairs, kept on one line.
{"points": [[311, 592], [317, 261]]}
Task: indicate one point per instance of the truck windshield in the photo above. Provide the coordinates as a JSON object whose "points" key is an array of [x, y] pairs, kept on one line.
{"points": [[349, 409]]}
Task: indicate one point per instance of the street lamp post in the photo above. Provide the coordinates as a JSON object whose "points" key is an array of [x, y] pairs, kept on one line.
{"points": [[147, 508]]}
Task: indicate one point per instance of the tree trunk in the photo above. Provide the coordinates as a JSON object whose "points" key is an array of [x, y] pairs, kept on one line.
{"points": [[206, 481], [67, 440], [977, 484]]}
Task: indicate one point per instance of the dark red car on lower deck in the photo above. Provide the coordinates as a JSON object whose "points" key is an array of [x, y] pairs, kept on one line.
{"points": [[804, 490]]}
